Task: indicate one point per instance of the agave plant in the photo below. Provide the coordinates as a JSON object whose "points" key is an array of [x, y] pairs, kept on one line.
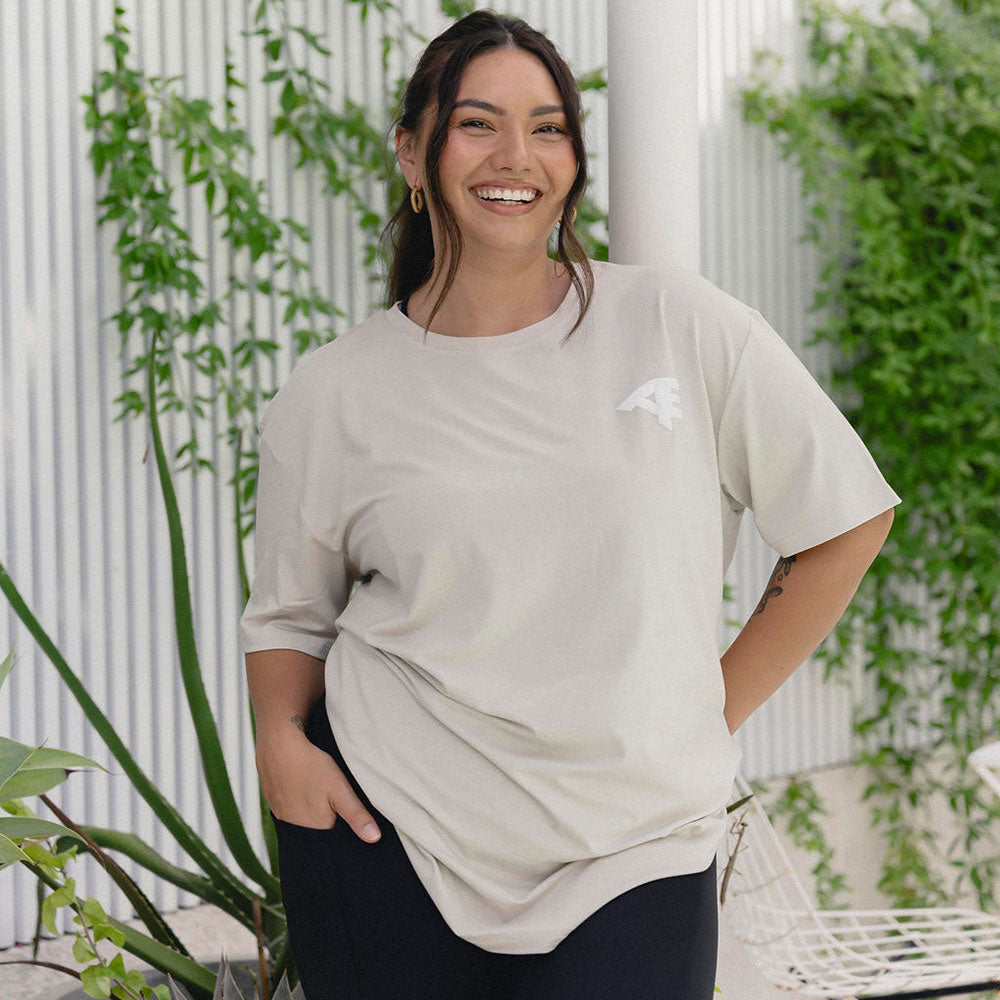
{"points": [[226, 988]]}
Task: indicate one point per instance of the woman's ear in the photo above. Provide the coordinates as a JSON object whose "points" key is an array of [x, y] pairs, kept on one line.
{"points": [[406, 155]]}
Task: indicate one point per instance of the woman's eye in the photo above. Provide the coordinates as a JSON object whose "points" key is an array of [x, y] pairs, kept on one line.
{"points": [[477, 124]]}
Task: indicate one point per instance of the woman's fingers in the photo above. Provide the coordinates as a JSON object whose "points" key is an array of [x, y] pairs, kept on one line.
{"points": [[305, 786], [348, 807]]}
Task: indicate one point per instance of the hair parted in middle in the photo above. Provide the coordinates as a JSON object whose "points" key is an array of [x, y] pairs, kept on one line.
{"points": [[438, 75]]}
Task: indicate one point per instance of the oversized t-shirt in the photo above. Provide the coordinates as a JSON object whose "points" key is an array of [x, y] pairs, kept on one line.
{"points": [[526, 681]]}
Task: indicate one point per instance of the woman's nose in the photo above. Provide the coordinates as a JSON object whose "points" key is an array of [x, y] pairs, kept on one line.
{"points": [[512, 149]]}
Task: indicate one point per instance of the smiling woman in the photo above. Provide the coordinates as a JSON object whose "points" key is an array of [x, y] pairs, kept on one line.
{"points": [[455, 263], [492, 722]]}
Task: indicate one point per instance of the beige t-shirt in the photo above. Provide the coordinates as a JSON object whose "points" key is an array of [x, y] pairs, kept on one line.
{"points": [[526, 682]]}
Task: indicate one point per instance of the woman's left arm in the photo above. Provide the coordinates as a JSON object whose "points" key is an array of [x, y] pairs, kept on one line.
{"points": [[805, 597]]}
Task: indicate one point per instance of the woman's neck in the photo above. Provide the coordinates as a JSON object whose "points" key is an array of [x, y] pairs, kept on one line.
{"points": [[483, 304]]}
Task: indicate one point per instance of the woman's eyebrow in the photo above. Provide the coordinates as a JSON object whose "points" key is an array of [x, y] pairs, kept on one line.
{"points": [[545, 109]]}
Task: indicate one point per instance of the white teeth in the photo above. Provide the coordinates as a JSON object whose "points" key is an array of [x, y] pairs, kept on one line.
{"points": [[505, 194]]}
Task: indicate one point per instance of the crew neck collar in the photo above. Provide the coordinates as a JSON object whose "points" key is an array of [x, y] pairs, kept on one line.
{"points": [[446, 342]]}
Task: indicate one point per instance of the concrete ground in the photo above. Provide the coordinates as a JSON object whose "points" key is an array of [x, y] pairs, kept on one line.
{"points": [[207, 932]]}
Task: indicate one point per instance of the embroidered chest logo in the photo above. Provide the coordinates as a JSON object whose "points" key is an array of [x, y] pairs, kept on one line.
{"points": [[665, 402]]}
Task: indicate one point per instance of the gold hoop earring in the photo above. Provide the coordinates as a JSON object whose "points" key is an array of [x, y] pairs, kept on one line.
{"points": [[416, 199]]}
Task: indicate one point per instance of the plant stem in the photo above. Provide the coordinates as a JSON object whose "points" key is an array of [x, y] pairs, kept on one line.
{"points": [[145, 910], [44, 965]]}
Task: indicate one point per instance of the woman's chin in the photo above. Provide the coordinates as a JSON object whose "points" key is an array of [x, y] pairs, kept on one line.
{"points": [[493, 239]]}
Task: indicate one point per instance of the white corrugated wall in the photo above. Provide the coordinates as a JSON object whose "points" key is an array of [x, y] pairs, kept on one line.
{"points": [[81, 525]]}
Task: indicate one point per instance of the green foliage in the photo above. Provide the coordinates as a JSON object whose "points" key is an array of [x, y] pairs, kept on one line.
{"points": [[186, 360], [23, 838], [898, 141], [99, 975], [16, 761], [457, 8], [800, 804]]}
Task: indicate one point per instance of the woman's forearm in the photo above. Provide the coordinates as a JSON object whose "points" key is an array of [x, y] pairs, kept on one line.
{"points": [[805, 597], [284, 684]]}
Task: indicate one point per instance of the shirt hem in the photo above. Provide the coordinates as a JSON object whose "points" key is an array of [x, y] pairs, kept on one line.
{"points": [[799, 541]]}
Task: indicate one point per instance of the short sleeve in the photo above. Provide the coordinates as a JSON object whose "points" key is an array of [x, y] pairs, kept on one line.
{"points": [[300, 586], [787, 452]]}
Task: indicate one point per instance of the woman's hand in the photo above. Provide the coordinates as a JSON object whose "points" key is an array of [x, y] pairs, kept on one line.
{"points": [[305, 786], [302, 784]]}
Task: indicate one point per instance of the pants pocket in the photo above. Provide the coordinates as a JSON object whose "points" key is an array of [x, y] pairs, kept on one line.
{"points": [[295, 830]]}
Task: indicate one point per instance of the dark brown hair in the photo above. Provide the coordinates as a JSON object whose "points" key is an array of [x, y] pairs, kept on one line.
{"points": [[438, 73]]}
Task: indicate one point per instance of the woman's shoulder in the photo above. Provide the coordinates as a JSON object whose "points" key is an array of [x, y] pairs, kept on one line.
{"points": [[685, 285], [315, 380], [675, 298]]}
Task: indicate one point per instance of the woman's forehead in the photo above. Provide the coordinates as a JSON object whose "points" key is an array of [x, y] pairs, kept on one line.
{"points": [[509, 78]]}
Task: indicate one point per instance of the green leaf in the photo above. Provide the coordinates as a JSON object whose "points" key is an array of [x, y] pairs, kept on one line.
{"points": [[32, 828], [26, 783], [594, 80], [96, 982], [5, 667], [109, 931], [457, 8], [94, 912], [10, 852], [213, 761], [53, 757], [65, 895], [312, 39], [83, 952], [13, 756]]}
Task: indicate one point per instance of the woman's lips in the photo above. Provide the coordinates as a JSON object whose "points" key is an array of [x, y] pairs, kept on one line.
{"points": [[502, 209]]}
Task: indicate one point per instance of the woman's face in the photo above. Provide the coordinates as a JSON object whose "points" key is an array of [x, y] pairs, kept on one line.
{"points": [[514, 136]]}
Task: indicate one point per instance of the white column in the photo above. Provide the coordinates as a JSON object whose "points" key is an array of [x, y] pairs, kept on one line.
{"points": [[653, 132]]}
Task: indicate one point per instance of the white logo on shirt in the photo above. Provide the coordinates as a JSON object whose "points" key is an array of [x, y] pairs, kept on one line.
{"points": [[665, 402]]}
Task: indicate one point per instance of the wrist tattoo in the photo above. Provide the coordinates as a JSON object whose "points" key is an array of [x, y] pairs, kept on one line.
{"points": [[296, 720], [782, 568]]}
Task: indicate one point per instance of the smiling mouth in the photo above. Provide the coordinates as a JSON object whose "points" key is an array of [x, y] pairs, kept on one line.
{"points": [[495, 196]]}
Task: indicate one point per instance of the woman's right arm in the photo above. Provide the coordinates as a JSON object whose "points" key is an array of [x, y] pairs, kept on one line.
{"points": [[302, 784]]}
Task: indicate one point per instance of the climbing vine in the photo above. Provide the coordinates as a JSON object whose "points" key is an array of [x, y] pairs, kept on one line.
{"points": [[157, 257], [800, 805], [898, 141]]}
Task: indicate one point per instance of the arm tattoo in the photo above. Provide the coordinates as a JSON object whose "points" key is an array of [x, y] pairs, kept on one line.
{"points": [[296, 720], [782, 568]]}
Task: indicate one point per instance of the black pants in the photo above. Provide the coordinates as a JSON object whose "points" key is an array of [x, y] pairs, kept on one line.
{"points": [[362, 927]]}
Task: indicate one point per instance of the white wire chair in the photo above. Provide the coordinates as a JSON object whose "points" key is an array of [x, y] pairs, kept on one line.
{"points": [[843, 954], [985, 761]]}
